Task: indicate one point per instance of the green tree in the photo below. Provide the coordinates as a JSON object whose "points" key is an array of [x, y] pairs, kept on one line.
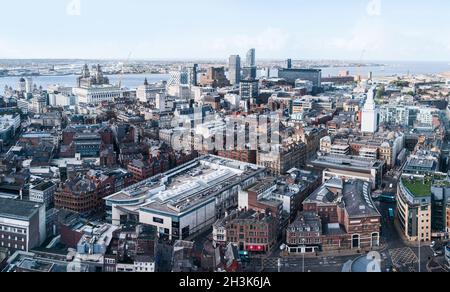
{"points": [[380, 92]]}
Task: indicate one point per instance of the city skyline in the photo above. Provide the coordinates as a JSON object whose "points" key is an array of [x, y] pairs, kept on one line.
{"points": [[224, 137], [362, 30]]}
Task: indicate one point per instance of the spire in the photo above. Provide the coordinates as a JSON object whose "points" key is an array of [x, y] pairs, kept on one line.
{"points": [[146, 81]]}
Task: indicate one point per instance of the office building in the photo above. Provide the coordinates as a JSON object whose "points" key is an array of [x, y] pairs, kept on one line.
{"points": [[249, 89], [234, 69], [288, 64], [215, 77], [291, 75], [424, 206], [249, 73], [193, 75], [350, 167], [280, 161], [43, 193], [9, 124], [414, 198], [22, 225], [251, 58], [179, 77]]}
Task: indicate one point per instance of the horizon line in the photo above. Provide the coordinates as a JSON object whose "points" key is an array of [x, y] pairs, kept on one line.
{"points": [[224, 60]]}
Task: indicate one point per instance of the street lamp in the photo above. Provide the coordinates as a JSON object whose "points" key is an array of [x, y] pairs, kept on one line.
{"points": [[303, 253]]}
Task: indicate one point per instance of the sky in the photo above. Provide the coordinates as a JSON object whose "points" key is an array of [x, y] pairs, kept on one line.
{"points": [[360, 30]]}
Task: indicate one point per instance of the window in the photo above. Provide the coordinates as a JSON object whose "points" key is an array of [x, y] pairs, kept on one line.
{"points": [[158, 220]]}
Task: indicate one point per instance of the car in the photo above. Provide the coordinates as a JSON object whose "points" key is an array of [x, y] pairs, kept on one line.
{"points": [[438, 253]]}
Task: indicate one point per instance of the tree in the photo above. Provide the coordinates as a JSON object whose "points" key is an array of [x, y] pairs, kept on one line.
{"points": [[380, 92]]}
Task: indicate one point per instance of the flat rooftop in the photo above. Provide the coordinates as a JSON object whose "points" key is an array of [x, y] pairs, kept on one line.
{"points": [[300, 70], [421, 163], [21, 210], [418, 187], [262, 185], [188, 185], [43, 186], [349, 163], [36, 265]]}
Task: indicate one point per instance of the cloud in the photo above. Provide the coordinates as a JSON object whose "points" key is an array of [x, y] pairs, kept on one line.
{"points": [[268, 41], [371, 38], [367, 34]]}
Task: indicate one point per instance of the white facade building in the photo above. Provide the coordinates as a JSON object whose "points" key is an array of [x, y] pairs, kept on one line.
{"points": [[148, 92], [370, 120], [407, 115], [43, 193], [97, 94], [187, 200], [233, 99], [22, 225]]}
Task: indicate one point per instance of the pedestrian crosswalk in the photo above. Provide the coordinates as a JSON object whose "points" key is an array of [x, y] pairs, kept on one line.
{"points": [[403, 257]]}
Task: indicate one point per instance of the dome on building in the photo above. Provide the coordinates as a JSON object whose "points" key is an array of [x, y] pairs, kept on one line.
{"points": [[385, 145]]}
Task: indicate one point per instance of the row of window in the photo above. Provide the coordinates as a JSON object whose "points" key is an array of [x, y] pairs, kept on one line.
{"points": [[242, 228], [11, 238], [232, 233], [21, 247], [306, 241], [12, 229], [249, 240]]}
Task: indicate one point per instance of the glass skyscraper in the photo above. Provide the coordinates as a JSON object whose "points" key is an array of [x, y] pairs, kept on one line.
{"points": [[251, 58], [234, 71]]}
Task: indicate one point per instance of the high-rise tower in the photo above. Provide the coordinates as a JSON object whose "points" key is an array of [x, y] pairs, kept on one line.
{"points": [[234, 70], [251, 58]]}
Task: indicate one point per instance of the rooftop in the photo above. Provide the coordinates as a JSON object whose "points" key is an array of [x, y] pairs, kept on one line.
{"points": [[422, 163], [353, 195], [348, 163], [15, 209], [186, 186], [418, 187], [43, 186]]}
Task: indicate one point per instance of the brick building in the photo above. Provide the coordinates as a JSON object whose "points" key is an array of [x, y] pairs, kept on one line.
{"points": [[279, 161], [347, 215], [251, 231], [78, 194], [84, 193], [248, 156]]}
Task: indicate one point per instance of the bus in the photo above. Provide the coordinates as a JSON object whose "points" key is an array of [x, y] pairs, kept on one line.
{"points": [[244, 256], [387, 198], [391, 213]]}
